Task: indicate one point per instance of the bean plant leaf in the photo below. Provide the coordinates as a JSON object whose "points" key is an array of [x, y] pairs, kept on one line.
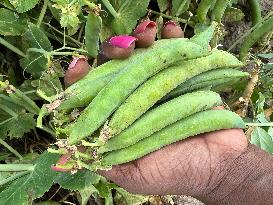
{"points": [[35, 62], [180, 6], [33, 185], [23, 5], [92, 33], [77, 181], [163, 4], [262, 139], [129, 12], [11, 24], [16, 127]]}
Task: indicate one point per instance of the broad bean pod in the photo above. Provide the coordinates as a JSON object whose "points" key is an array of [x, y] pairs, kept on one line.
{"points": [[219, 10], [202, 10], [84, 91], [165, 81], [213, 79], [161, 55], [254, 36], [195, 124], [162, 116]]}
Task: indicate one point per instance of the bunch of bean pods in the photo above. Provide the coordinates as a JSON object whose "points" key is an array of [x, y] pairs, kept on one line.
{"points": [[159, 95]]}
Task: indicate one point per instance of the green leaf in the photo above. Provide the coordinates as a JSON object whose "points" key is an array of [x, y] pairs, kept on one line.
{"points": [[48, 84], [180, 6], [266, 55], [130, 199], [233, 14], [129, 12], [16, 127], [92, 32], [163, 5], [35, 63], [23, 5], [31, 186], [77, 181], [47, 203], [262, 139], [11, 24]]}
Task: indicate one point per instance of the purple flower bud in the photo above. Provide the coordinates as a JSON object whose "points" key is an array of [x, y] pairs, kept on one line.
{"points": [[145, 33], [62, 161], [77, 69], [172, 30], [118, 47]]}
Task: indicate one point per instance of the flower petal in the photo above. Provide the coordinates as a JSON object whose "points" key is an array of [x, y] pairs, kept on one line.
{"points": [[122, 41]]}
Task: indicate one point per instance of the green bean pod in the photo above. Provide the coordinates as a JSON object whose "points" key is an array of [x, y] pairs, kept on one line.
{"points": [[254, 36], [83, 92], [195, 124], [159, 85], [219, 10], [213, 79], [162, 116], [118, 89], [256, 13], [202, 10]]}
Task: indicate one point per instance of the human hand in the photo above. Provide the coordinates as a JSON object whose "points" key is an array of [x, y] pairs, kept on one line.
{"points": [[193, 166]]}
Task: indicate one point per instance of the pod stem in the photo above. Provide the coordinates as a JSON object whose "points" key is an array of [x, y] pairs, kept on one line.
{"points": [[11, 149], [16, 167]]}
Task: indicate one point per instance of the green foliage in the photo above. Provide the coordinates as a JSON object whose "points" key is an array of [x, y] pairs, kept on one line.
{"points": [[11, 23], [163, 4], [16, 127], [92, 31], [35, 62], [262, 139], [33, 185], [129, 12], [180, 6], [23, 5]]}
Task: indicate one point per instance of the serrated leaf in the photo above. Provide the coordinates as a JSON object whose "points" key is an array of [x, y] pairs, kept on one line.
{"points": [[77, 181], [35, 63], [32, 186], [11, 24], [16, 127], [48, 84], [262, 139], [92, 33], [180, 6], [23, 5], [163, 4], [129, 12]]}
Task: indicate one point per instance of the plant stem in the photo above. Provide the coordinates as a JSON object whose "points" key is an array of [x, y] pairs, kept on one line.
{"points": [[11, 149], [12, 47], [171, 17], [69, 37], [257, 124], [110, 8], [15, 176], [42, 14], [16, 167]]}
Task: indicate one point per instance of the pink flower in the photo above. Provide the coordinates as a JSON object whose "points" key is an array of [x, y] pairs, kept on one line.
{"points": [[77, 69], [118, 47], [145, 33], [171, 30]]}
